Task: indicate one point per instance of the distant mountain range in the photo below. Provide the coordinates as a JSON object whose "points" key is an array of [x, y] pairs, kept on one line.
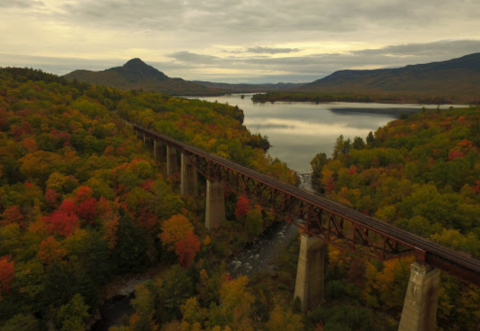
{"points": [[137, 75], [457, 78]]}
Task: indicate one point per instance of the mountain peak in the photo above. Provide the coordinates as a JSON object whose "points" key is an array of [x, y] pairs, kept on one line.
{"points": [[136, 69], [136, 62]]}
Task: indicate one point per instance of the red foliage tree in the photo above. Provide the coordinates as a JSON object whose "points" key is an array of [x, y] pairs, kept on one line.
{"points": [[7, 271], [477, 187], [67, 207], [330, 185], [86, 205], [52, 196], [19, 131], [87, 210], [243, 207], [187, 249], [12, 215], [63, 221], [352, 170], [84, 193], [147, 185], [61, 137], [148, 219]]}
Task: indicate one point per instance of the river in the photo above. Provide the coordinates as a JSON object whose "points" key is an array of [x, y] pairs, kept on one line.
{"points": [[298, 131]]}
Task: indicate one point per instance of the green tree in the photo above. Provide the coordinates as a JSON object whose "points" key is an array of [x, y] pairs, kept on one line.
{"points": [[317, 164], [358, 143], [370, 139], [21, 322], [175, 289], [74, 315], [130, 254]]}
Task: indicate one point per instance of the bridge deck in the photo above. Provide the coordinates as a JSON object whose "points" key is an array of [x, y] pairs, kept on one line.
{"points": [[458, 264]]}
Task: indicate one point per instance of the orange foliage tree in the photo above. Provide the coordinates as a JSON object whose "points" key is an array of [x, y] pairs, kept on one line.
{"points": [[50, 250], [174, 230]]}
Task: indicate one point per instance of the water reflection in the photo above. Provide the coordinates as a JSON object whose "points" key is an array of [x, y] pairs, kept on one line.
{"points": [[298, 131]]}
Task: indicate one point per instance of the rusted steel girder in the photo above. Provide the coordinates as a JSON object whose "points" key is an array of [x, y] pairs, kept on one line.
{"points": [[334, 223], [327, 226]]}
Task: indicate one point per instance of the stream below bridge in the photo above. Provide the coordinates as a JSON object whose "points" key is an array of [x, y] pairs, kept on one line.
{"points": [[255, 257]]}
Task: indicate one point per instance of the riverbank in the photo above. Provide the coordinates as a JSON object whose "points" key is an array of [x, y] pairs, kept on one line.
{"points": [[392, 98], [116, 296]]}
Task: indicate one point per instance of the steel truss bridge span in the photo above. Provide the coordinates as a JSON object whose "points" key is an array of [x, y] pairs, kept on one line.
{"points": [[329, 221]]}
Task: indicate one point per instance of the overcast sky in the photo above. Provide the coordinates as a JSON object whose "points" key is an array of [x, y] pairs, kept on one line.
{"points": [[236, 40]]}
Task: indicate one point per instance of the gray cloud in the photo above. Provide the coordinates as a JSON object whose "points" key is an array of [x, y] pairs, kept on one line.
{"points": [[261, 17], [435, 49], [269, 50], [23, 4], [188, 57], [124, 14]]}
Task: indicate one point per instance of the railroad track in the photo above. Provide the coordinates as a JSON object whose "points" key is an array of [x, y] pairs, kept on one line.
{"points": [[456, 263]]}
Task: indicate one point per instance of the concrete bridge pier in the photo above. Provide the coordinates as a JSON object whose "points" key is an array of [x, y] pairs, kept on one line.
{"points": [[158, 149], [189, 182], [172, 166], [155, 144], [309, 286], [215, 209], [420, 307]]}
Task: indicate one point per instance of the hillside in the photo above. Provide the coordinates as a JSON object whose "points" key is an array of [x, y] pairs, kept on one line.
{"points": [[84, 205], [137, 75], [455, 79], [420, 173], [250, 87]]}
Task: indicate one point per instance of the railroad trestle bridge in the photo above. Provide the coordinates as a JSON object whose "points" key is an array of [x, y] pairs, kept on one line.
{"points": [[325, 221]]}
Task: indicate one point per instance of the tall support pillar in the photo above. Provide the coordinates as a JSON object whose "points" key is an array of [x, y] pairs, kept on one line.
{"points": [[309, 285], [158, 149], [172, 166], [215, 209], [420, 307], [189, 183]]}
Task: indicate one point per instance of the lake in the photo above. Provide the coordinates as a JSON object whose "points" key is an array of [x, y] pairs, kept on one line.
{"points": [[298, 131]]}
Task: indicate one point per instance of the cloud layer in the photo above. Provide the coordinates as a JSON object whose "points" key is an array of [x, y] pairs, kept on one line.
{"points": [[237, 41]]}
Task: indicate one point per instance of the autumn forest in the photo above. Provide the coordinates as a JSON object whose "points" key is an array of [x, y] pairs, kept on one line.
{"points": [[84, 206]]}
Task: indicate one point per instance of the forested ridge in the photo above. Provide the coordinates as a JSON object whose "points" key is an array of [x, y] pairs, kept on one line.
{"points": [[452, 81], [447, 82], [420, 173], [359, 96]]}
